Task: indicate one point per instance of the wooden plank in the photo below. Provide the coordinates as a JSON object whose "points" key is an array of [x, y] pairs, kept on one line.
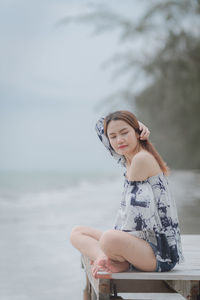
{"points": [[100, 288], [172, 275], [136, 286], [93, 295], [154, 296]]}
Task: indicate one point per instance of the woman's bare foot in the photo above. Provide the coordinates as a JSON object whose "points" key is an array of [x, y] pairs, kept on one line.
{"points": [[117, 266], [100, 264], [103, 263]]}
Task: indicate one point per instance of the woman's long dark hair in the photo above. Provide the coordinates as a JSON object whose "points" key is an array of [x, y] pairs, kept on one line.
{"points": [[130, 118]]}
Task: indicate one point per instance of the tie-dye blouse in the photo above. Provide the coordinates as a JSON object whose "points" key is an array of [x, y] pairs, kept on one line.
{"points": [[147, 210]]}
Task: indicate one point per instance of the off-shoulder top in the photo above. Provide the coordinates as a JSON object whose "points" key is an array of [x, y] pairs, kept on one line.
{"points": [[147, 210]]}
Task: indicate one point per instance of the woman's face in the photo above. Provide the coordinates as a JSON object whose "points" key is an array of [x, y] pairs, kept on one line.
{"points": [[122, 137]]}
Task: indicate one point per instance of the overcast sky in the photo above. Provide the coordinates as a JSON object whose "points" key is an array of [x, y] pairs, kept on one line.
{"points": [[50, 83]]}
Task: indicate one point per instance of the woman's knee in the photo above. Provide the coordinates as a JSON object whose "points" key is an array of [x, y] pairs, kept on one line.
{"points": [[109, 241], [75, 231]]}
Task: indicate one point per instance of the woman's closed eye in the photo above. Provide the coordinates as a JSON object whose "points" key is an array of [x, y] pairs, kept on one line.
{"points": [[114, 136]]}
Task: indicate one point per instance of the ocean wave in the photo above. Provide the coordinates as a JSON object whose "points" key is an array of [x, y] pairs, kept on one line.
{"points": [[85, 189]]}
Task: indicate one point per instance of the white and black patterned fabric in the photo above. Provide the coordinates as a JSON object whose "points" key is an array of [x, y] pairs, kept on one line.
{"points": [[148, 211]]}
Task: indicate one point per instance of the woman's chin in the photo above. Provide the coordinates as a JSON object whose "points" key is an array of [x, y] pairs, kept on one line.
{"points": [[122, 151]]}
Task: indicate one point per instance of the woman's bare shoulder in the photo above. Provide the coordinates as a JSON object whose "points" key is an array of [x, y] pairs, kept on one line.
{"points": [[143, 165], [143, 158]]}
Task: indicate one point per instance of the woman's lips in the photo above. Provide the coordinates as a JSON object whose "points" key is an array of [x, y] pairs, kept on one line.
{"points": [[123, 146]]}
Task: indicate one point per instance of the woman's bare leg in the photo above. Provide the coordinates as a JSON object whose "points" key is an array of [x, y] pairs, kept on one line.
{"points": [[121, 246], [86, 240]]}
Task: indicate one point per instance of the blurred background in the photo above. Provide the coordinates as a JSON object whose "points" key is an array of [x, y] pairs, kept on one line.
{"points": [[64, 64]]}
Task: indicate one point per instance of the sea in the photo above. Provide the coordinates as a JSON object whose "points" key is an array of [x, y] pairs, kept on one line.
{"points": [[37, 213]]}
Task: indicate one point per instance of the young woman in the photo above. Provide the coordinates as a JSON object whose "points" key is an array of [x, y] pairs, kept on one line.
{"points": [[146, 234]]}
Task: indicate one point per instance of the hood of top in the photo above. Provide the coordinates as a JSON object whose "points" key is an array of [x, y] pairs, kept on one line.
{"points": [[100, 132]]}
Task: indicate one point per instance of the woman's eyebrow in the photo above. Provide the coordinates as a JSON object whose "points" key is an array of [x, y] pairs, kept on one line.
{"points": [[125, 128]]}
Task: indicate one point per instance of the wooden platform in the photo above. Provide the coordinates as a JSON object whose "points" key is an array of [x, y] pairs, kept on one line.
{"points": [[183, 280]]}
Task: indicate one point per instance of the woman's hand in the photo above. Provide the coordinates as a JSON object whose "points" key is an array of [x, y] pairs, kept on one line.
{"points": [[145, 131]]}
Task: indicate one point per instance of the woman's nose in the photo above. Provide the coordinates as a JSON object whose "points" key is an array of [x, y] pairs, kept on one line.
{"points": [[119, 139]]}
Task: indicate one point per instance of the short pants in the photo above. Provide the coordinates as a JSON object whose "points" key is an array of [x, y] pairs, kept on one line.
{"points": [[160, 266]]}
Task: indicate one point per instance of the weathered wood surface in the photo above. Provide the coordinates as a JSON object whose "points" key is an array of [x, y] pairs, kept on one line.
{"points": [[97, 287], [183, 279]]}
